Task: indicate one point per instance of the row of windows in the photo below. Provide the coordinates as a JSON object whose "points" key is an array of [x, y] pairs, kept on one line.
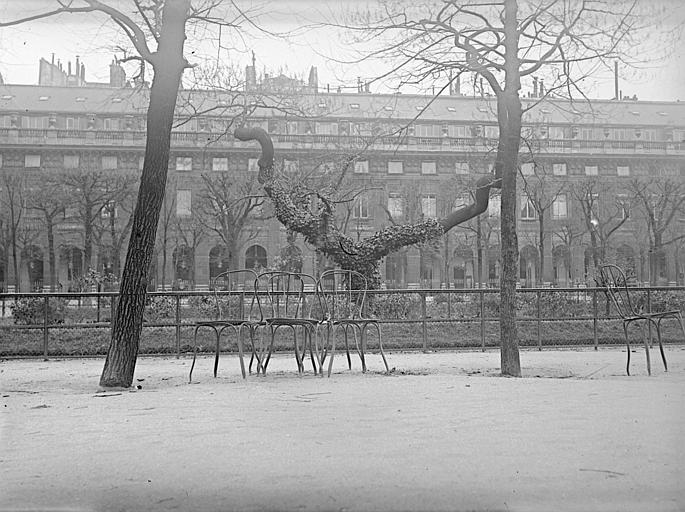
{"points": [[111, 162], [344, 127], [561, 169], [430, 167]]}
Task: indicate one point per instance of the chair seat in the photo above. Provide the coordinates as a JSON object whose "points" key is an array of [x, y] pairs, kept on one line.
{"points": [[228, 321], [291, 321], [659, 314]]}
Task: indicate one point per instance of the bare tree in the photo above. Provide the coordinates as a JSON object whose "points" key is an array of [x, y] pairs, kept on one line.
{"points": [[541, 192], [13, 205], [162, 24], [49, 201], [603, 214], [501, 42], [116, 218], [660, 204], [227, 207]]}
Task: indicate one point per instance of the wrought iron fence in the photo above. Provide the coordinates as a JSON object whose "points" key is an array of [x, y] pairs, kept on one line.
{"points": [[58, 324]]}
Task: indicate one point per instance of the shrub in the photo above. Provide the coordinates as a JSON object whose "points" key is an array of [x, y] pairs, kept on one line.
{"points": [[395, 306], [31, 311], [157, 308]]}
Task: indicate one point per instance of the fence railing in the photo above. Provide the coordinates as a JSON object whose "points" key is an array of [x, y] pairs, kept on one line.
{"points": [[49, 324]]}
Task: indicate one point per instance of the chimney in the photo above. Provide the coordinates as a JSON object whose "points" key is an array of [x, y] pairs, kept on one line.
{"points": [[77, 69], [53, 59], [313, 79], [457, 86], [542, 88], [117, 75], [69, 68], [617, 93], [83, 72], [535, 87]]}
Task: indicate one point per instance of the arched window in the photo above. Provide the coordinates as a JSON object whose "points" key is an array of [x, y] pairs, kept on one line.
{"points": [[183, 267], [462, 267], [34, 261], [528, 262], [561, 263], [219, 261], [396, 269], [255, 257], [429, 269]]}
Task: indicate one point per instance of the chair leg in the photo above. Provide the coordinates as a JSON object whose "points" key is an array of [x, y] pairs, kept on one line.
{"points": [[192, 366], [661, 345], [625, 331], [240, 349], [309, 335], [330, 362], [380, 345], [646, 342], [347, 345]]}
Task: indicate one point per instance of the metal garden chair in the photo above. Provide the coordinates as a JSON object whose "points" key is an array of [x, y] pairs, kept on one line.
{"points": [[236, 309], [343, 294], [289, 299], [613, 279]]}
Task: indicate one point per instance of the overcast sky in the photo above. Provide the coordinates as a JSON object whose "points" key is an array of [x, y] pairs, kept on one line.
{"points": [[93, 39]]}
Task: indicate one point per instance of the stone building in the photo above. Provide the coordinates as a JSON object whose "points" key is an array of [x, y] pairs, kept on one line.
{"points": [[582, 166]]}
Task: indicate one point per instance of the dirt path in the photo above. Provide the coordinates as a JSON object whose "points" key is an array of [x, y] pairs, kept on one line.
{"points": [[443, 432]]}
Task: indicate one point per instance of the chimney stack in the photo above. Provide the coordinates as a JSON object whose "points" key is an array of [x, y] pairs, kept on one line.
{"points": [[617, 93], [535, 87], [542, 88], [69, 68]]}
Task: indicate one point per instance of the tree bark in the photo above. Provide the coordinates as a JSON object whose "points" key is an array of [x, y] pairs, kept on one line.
{"points": [[509, 119], [168, 65]]}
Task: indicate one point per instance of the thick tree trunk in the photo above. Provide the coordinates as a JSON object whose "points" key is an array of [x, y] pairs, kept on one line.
{"points": [[509, 118], [128, 319], [319, 229]]}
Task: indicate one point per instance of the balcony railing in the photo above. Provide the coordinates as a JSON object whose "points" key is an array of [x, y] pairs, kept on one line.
{"points": [[217, 139]]}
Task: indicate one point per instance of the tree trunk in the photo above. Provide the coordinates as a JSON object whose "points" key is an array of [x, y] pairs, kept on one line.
{"points": [[87, 240], [479, 251], [541, 249], [51, 253], [168, 65], [509, 118]]}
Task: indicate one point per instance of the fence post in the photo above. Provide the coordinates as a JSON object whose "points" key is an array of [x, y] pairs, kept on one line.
{"points": [[594, 317], [481, 292], [539, 322], [649, 310], [178, 326], [46, 321], [423, 322]]}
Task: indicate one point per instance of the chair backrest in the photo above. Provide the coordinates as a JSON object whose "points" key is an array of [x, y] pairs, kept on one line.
{"points": [[234, 295], [613, 279], [343, 294], [288, 295]]}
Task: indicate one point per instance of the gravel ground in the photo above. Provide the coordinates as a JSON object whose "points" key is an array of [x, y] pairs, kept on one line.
{"points": [[443, 431]]}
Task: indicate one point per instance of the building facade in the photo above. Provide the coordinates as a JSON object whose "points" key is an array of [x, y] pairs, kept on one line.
{"points": [[593, 178]]}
